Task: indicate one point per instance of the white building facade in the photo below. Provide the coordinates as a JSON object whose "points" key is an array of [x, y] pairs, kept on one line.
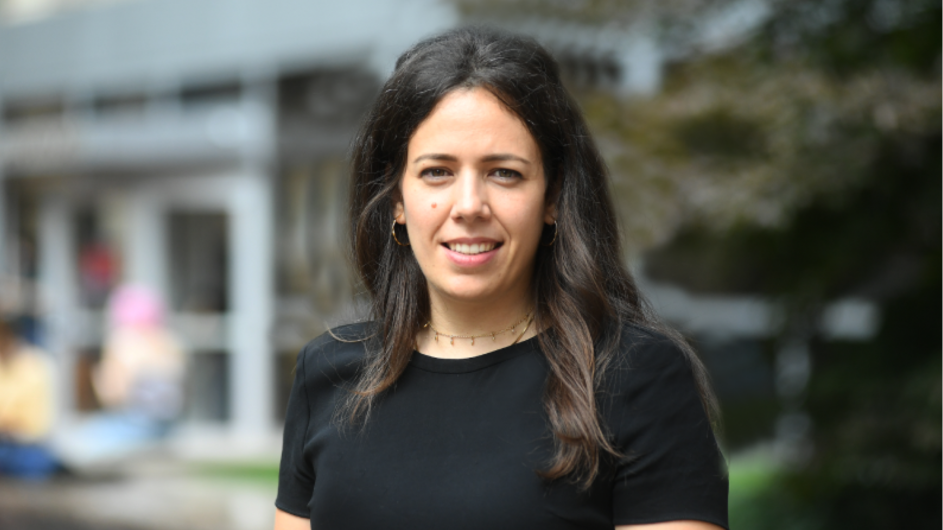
{"points": [[188, 146]]}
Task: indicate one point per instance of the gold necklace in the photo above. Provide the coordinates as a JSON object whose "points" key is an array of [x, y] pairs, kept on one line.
{"points": [[491, 334]]}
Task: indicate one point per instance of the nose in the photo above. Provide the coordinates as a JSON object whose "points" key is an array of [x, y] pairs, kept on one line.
{"points": [[471, 201]]}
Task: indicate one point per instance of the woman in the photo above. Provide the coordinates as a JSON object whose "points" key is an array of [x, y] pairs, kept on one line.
{"points": [[511, 376]]}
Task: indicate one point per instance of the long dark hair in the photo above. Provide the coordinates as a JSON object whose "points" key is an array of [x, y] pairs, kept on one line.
{"points": [[583, 294]]}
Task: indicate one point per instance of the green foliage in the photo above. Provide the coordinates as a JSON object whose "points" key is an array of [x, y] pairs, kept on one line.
{"points": [[868, 238], [867, 223], [845, 36], [722, 135], [748, 420], [876, 405]]}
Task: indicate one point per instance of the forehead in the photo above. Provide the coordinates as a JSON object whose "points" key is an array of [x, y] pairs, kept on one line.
{"points": [[472, 120]]}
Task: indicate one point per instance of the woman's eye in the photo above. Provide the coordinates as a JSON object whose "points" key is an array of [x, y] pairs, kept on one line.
{"points": [[506, 174], [434, 173]]}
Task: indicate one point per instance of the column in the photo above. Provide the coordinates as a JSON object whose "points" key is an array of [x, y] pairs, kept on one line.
{"points": [[8, 246], [145, 258], [252, 290], [252, 285], [57, 293]]}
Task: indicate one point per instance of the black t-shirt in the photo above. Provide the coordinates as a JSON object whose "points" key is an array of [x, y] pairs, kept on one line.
{"points": [[457, 442]]}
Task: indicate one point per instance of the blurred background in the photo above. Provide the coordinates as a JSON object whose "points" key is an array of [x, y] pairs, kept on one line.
{"points": [[776, 166]]}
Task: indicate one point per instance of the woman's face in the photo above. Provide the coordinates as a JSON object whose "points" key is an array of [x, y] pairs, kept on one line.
{"points": [[473, 200]]}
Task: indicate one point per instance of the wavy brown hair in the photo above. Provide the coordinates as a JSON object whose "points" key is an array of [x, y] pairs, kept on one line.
{"points": [[583, 293]]}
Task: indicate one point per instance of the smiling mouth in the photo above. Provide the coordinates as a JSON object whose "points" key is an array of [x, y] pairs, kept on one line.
{"points": [[474, 248]]}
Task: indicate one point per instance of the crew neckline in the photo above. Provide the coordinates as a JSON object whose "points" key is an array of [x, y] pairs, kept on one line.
{"points": [[471, 364]]}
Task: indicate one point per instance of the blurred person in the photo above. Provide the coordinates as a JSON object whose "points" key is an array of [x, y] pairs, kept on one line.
{"points": [[139, 380], [98, 268], [26, 406], [512, 375], [141, 369]]}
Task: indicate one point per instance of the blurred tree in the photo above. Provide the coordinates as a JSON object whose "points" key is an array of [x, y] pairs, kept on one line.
{"points": [[807, 164], [875, 405]]}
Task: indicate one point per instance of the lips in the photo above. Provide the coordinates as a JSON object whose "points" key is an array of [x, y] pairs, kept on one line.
{"points": [[471, 252], [471, 249]]}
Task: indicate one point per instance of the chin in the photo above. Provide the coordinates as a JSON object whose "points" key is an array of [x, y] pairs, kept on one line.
{"points": [[469, 296], [470, 293]]}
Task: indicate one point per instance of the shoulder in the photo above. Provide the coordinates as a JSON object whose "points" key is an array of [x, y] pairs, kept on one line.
{"points": [[640, 348], [653, 409], [335, 354], [648, 365]]}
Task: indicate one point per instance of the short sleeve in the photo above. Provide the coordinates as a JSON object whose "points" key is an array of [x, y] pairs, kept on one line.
{"points": [[673, 469], [295, 476]]}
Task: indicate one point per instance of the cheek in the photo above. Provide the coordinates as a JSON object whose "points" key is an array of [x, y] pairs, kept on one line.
{"points": [[423, 216], [414, 200], [528, 219]]}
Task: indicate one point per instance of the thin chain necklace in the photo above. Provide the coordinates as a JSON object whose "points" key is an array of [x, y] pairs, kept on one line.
{"points": [[491, 334]]}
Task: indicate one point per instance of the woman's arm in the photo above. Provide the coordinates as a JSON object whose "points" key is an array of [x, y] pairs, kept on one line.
{"points": [[287, 521], [670, 525]]}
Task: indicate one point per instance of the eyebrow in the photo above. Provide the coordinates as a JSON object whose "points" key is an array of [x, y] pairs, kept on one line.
{"points": [[490, 158]]}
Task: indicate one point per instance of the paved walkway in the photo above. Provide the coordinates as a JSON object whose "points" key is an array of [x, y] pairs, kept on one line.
{"points": [[139, 503], [158, 493]]}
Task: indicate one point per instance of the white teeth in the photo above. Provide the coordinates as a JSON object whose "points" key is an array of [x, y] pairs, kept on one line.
{"points": [[474, 248]]}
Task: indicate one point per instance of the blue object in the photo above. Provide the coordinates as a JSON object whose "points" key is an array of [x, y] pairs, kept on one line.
{"points": [[26, 461]]}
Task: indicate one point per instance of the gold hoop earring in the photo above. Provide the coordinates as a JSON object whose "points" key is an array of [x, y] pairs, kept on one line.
{"points": [[550, 244], [393, 231]]}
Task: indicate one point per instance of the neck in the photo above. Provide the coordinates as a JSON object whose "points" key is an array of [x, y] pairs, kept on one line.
{"points": [[461, 318]]}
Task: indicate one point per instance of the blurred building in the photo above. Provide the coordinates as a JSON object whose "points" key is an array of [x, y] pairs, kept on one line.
{"points": [[195, 147]]}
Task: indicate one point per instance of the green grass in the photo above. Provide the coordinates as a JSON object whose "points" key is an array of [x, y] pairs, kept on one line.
{"points": [[751, 475], [255, 472], [759, 499]]}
